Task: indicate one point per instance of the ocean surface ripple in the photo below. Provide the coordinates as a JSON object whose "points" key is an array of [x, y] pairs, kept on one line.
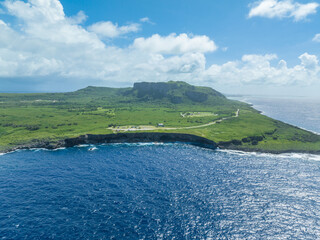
{"points": [[149, 191]]}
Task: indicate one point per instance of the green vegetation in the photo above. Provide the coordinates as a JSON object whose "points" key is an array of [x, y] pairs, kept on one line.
{"points": [[180, 107]]}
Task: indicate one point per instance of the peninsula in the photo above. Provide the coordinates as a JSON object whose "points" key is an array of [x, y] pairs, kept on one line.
{"points": [[147, 112]]}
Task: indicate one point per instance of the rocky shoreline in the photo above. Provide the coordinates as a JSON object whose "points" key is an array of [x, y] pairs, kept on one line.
{"points": [[140, 137], [119, 138], [145, 138]]}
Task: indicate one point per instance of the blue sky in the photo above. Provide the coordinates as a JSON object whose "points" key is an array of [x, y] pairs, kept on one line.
{"points": [[248, 46], [226, 22]]}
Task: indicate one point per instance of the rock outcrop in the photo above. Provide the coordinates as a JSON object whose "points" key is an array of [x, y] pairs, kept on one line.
{"points": [[140, 137]]}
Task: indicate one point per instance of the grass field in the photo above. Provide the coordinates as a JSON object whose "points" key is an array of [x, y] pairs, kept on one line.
{"points": [[54, 116]]}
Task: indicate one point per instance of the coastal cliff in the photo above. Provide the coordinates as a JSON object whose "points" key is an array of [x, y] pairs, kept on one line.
{"points": [[120, 138], [145, 137], [140, 137]]}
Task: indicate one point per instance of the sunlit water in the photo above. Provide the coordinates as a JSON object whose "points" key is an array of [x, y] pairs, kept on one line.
{"points": [[158, 191]]}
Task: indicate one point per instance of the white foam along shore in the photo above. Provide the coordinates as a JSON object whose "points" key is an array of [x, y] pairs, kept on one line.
{"points": [[32, 150], [91, 146], [302, 156]]}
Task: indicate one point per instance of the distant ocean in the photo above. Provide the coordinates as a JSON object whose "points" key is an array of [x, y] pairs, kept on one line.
{"points": [[165, 191], [301, 112]]}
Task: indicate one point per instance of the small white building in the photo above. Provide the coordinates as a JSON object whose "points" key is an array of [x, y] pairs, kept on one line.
{"points": [[160, 125]]}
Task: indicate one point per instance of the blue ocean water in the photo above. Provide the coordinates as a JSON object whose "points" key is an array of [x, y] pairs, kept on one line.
{"points": [[158, 191], [302, 112]]}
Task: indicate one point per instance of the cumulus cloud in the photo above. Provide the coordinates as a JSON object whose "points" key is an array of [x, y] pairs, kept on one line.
{"points": [[79, 18], [36, 10], [282, 9], [45, 20], [175, 44], [260, 69], [48, 44], [309, 61], [110, 30]]}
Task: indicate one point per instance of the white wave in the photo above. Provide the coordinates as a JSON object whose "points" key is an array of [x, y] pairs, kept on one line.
{"points": [[302, 156], [36, 149], [137, 144], [18, 150], [152, 144], [57, 149], [41, 149], [33, 150], [82, 145], [92, 149]]}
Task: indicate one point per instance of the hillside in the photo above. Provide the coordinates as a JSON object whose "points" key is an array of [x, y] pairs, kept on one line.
{"points": [[172, 107]]}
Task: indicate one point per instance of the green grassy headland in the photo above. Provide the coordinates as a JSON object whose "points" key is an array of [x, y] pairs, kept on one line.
{"points": [[172, 107]]}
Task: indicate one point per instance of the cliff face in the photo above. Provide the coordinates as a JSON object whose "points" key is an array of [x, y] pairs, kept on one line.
{"points": [[197, 96], [119, 138], [148, 137], [156, 90], [140, 137], [176, 92]]}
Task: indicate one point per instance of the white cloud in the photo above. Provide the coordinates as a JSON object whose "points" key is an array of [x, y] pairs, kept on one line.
{"points": [[258, 69], [309, 61], [175, 44], [46, 43], [36, 10], [316, 38], [282, 9], [145, 19], [45, 20], [303, 10], [110, 30], [2, 23], [79, 18]]}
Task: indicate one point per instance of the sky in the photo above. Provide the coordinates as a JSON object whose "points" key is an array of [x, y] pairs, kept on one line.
{"points": [[268, 47]]}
